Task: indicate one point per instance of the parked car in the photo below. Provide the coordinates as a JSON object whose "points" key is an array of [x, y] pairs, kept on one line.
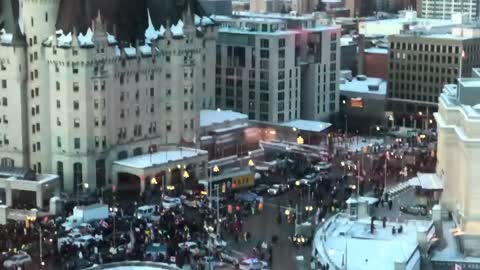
{"points": [[171, 202], [417, 210], [21, 259], [276, 189], [260, 189]]}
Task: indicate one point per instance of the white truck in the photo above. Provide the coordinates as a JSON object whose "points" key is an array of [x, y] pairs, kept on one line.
{"points": [[85, 214]]}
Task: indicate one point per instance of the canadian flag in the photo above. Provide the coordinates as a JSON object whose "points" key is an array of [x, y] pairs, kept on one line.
{"points": [[458, 267]]}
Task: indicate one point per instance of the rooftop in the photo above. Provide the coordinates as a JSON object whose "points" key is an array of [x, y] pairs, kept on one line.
{"points": [[307, 125], [375, 50], [363, 84], [349, 243], [211, 117], [160, 158]]}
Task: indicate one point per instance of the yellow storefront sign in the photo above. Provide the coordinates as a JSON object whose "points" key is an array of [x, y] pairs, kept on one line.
{"points": [[243, 181]]}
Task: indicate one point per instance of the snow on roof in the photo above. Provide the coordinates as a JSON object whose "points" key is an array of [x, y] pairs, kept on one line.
{"points": [[346, 40], [204, 20], [307, 125], [428, 181], [363, 84], [210, 117], [111, 39], [376, 50], [146, 49], [86, 39], [64, 40], [130, 51], [369, 200], [177, 29], [5, 38], [160, 158], [350, 243]]}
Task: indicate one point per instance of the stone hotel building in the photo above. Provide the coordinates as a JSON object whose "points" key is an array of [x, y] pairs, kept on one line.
{"points": [[81, 87]]}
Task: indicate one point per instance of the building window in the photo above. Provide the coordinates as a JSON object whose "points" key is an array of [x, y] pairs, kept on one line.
{"points": [[4, 84], [76, 123], [169, 126], [57, 85], [264, 43], [281, 43], [76, 105], [58, 104], [76, 87], [59, 142], [76, 143], [77, 176], [4, 101], [75, 68]]}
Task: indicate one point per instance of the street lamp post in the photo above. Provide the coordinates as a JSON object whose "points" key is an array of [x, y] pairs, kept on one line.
{"points": [[213, 169]]}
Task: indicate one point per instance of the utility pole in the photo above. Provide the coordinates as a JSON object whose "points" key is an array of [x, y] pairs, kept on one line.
{"points": [[218, 213], [41, 246]]}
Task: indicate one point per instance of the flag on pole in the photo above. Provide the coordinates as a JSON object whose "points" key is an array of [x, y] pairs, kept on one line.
{"points": [[458, 267], [463, 53]]}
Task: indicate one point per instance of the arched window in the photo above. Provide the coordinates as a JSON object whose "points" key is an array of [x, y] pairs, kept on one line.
{"points": [[7, 162], [77, 175]]}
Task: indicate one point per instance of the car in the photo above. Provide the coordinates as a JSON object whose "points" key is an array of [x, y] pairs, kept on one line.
{"points": [[417, 210], [322, 166], [84, 241], [253, 264], [16, 261], [145, 211], [192, 247], [228, 257], [75, 234], [260, 189], [276, 189], [171, 202], [191, 201]]}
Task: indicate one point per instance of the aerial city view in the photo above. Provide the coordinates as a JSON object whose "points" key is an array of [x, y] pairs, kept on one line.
{"points": [[240, 134]]}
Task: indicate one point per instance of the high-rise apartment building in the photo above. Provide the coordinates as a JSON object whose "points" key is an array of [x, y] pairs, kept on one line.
{"points": [[276, 73], [98, 83], [421, 63], [444, 9]]}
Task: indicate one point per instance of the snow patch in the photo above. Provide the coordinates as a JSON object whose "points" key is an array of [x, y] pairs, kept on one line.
{"points": [[177, 29], [130, 51], [5, 38], [87, 39], [146, 50]]}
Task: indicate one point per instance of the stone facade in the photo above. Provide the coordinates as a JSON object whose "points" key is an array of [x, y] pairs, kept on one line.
{"points": [[77, 102]]}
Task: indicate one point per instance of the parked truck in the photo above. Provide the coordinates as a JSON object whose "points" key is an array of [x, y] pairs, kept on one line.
{"points": [[85, 214]]}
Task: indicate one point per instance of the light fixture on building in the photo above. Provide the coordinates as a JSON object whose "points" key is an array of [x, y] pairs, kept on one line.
{"points": [[216, 169], [251, 163], [300, 140], [153, 181], [186, 175]]}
